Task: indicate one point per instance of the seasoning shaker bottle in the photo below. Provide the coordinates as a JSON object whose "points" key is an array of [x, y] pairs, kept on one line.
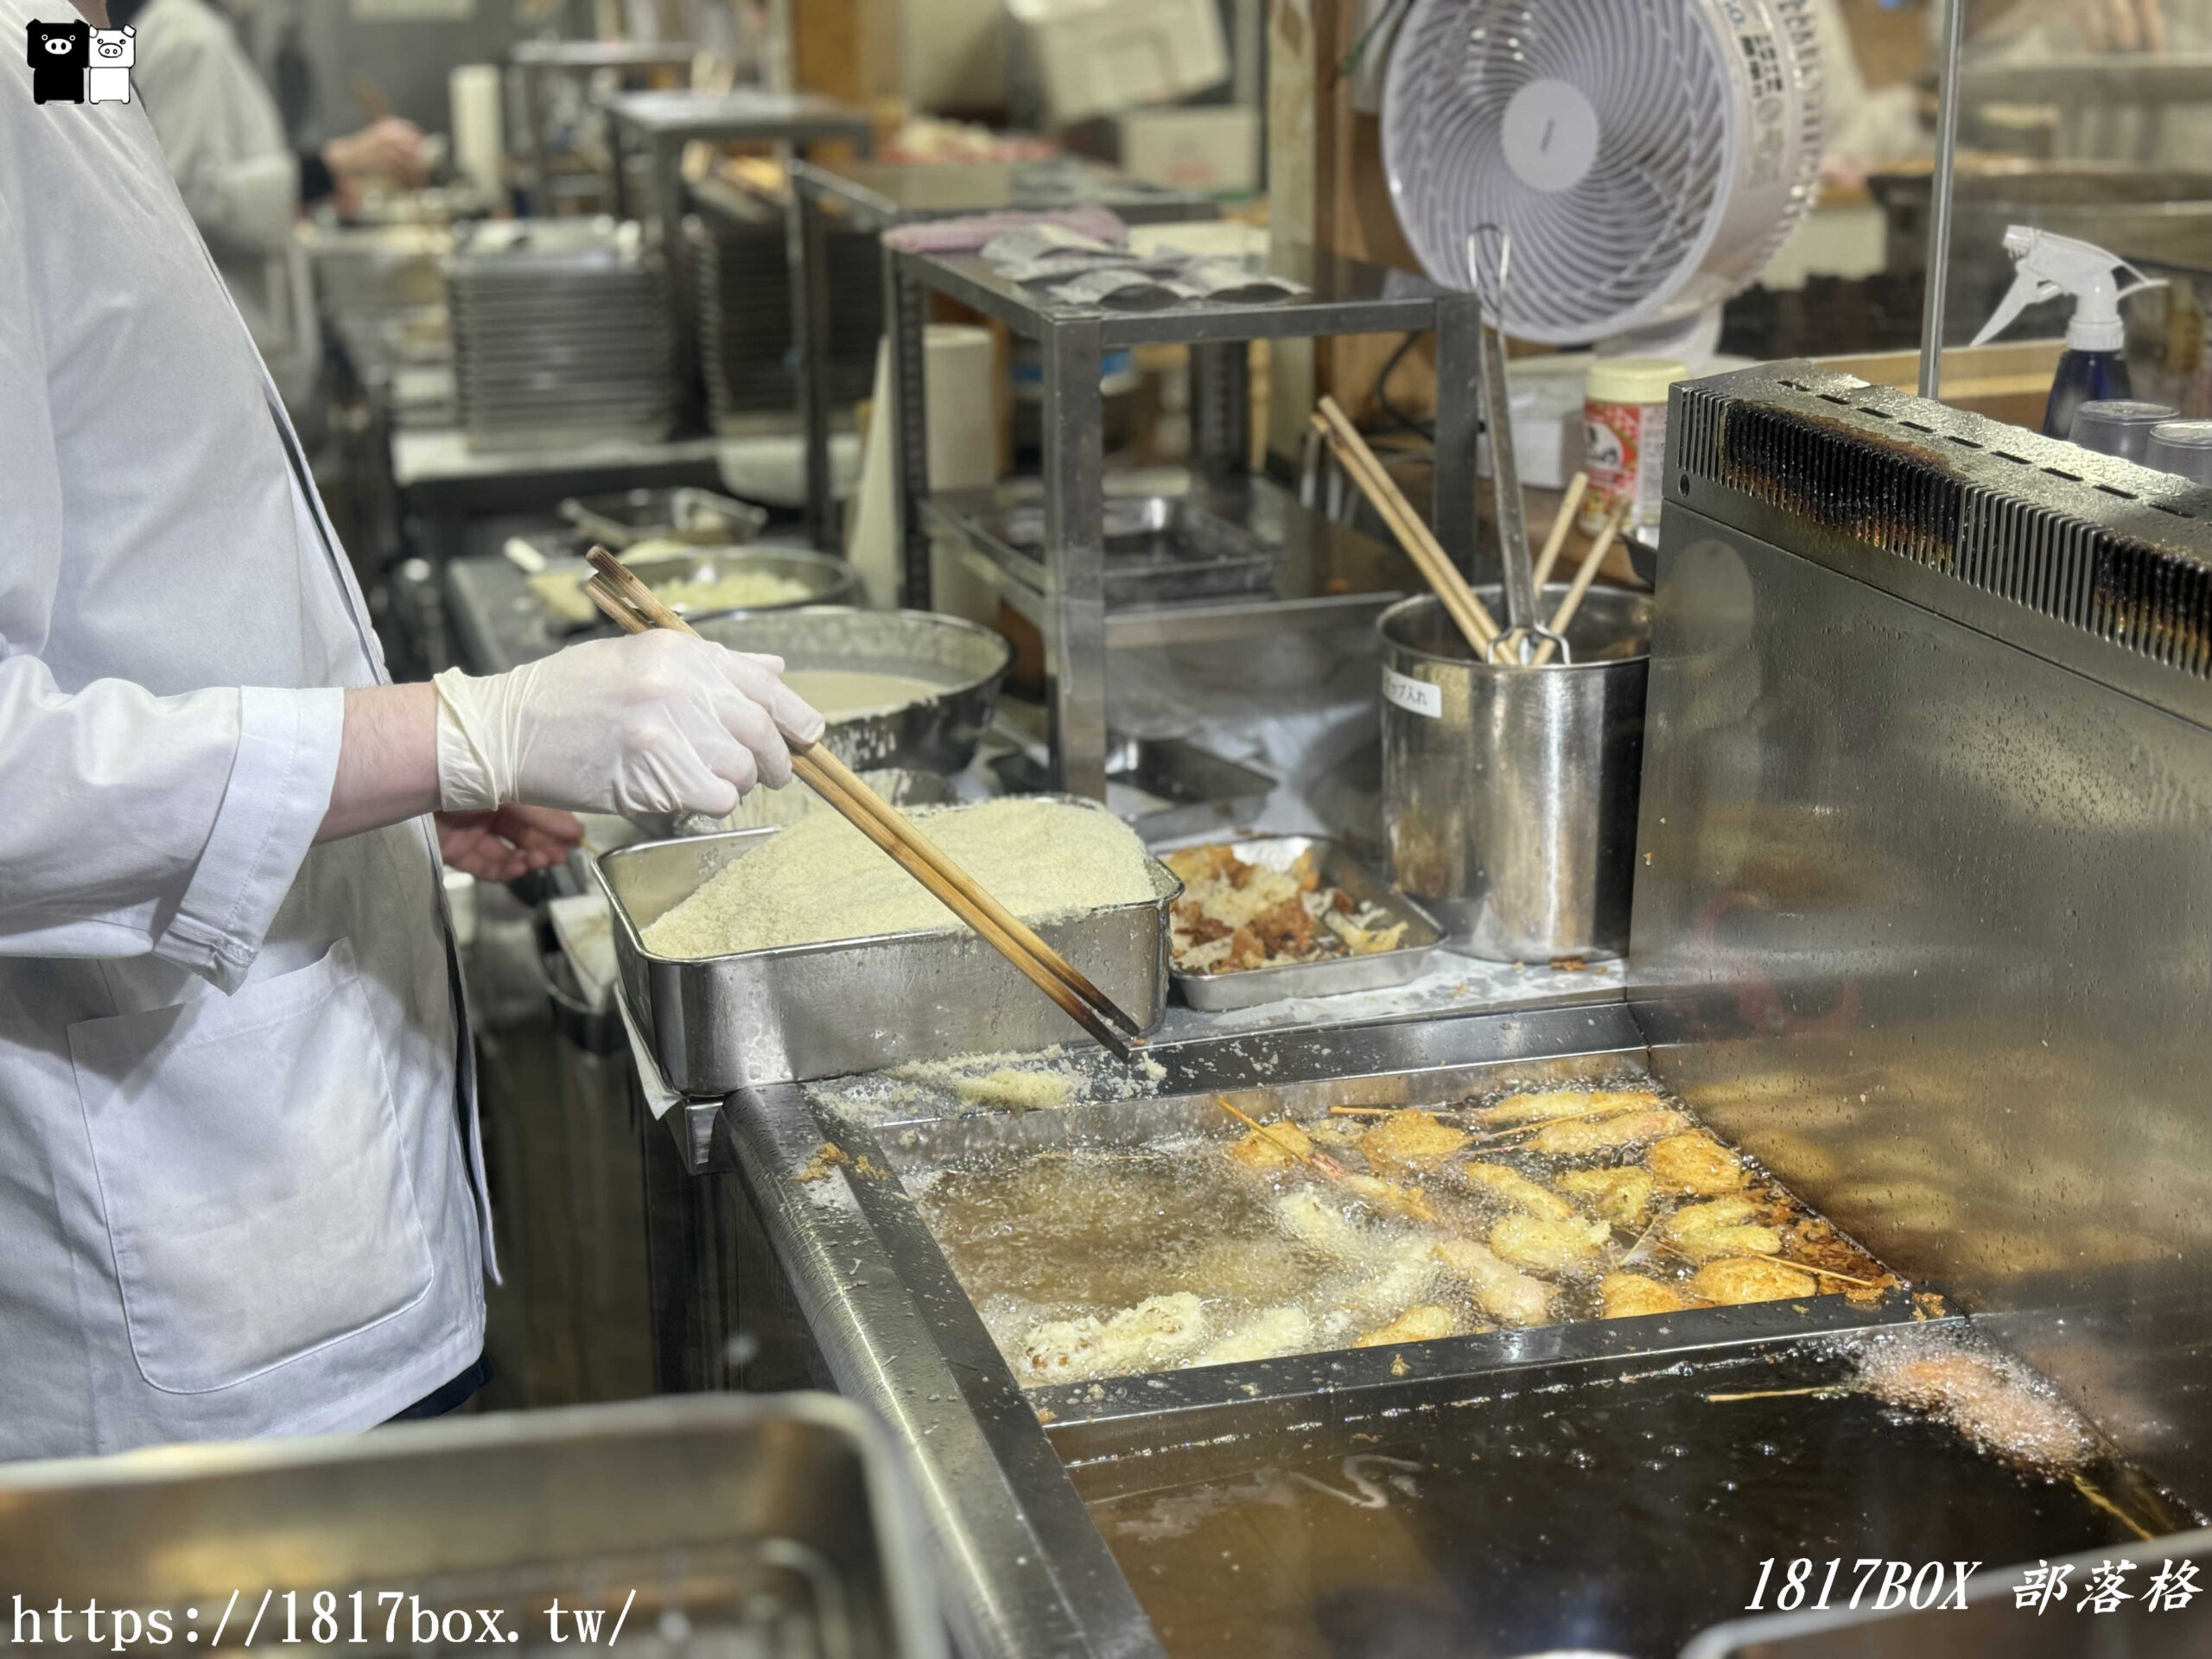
{"points": [[1625, 427]]}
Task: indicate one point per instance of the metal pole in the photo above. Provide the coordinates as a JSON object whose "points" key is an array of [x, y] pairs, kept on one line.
{"points": [[1939, 208], [1075, 556]]}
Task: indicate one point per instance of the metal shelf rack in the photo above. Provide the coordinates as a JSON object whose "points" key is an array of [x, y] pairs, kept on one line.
{"points": [[534, 63], [1064, 593], [871, 197], [663, 123]]}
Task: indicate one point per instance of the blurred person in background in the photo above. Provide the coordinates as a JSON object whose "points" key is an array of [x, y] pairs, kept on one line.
{"points": [[243, 183], [2036, 31]]}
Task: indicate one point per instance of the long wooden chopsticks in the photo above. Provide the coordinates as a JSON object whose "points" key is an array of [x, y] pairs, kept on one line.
{"points": [[1579, 589], [1459, 600], [617, 590], [1562, 521], [1473, 619]]}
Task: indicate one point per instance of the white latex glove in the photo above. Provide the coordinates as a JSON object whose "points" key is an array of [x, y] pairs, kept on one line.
{"points": [[649, 723]]}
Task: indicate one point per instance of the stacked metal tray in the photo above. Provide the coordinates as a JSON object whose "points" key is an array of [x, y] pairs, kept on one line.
{"points": [[740, 290], [561, 334]]}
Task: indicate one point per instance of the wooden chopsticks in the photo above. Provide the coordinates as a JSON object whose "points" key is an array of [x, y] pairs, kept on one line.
{"points": [[617, 591], [1459, 600], [1474, 620], [1579, 589], [1569, 505]]}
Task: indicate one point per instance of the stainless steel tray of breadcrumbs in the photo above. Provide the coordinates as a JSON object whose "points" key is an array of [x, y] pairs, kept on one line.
{"points": [[1248, 987], [720, 1023]]}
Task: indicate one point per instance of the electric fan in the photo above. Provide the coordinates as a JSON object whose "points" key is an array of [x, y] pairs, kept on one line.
{"points": [[1646, 158]]}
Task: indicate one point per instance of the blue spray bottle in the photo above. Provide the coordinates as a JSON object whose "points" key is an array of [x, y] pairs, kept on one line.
{"points": [[2093, 365]]}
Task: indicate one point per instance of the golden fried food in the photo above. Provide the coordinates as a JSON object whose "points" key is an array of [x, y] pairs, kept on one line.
{"points": [[1696, 1162], [1629, 1100], [1549, 1246], [1628, 1294], [1549, 1103], [1735, 1225], [1389, 1197], [1741, 1279], [1731, 1212], [1508, 1296], [1582, 1136], [1752, 1239], [1422, 1323], [1235, 915], [1273, 1145], [1720, 1227], [1412, 1138], [1622, 1196], [1159, 1331], [1517, 1190]]}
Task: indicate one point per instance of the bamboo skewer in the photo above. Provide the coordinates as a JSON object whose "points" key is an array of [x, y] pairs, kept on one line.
{"points": [[617, 592], [1568, 506], [1583, 577], [1459, 600], [1328, 1166]]}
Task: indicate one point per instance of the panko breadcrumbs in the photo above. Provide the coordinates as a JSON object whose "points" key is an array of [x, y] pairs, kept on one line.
{"points": [[822, 879]]}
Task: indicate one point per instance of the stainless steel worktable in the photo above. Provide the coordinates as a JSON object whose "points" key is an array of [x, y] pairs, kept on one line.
{"points": [[872, 196], [664, 122], [1340, 297], [536, 61]]}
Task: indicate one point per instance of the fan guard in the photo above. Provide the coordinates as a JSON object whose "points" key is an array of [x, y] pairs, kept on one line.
{"points": [[1647, 156]]}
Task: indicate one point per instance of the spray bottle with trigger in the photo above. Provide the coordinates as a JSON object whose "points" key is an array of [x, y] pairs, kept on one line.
{"points": [[2093, 365]]}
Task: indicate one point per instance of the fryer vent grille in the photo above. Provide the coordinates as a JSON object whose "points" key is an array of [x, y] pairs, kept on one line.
{"points": [[2117, 550]]}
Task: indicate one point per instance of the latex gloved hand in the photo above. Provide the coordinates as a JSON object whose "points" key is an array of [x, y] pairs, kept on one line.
{"points": [[649, 723]]}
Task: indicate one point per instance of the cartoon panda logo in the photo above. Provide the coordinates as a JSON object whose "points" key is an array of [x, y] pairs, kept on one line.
{"points": [[59, 53], [114, 52]]}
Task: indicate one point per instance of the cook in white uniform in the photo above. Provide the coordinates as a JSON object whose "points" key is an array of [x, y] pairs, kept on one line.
{"points": [[243, 183], [241, 1191]]}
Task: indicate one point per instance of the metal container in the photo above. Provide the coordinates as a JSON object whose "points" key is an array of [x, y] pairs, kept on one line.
{"points": [[762, 1523], [1162, 787], [822, 1010], [1217, 993], [1160, 550], [1509, 794], [827, 581], [684, 514], [935, 733]]}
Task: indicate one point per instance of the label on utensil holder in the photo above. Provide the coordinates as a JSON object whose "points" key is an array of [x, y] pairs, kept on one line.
{"points": [[1414, 697]]}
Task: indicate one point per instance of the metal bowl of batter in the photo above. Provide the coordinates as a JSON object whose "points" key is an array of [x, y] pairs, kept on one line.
{"points": [[900, 687]]}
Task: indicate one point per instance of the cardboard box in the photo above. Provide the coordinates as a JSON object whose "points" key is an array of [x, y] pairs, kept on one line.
{"points": [[1097, 57], [1214, 149]]}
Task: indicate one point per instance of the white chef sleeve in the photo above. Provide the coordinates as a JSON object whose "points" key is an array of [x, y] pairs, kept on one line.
{"points": [[129, 823], [242, 204]]}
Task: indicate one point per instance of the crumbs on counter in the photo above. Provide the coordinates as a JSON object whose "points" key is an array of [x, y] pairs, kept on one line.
{"points": [[1003, 1081], [826, 1158]]}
